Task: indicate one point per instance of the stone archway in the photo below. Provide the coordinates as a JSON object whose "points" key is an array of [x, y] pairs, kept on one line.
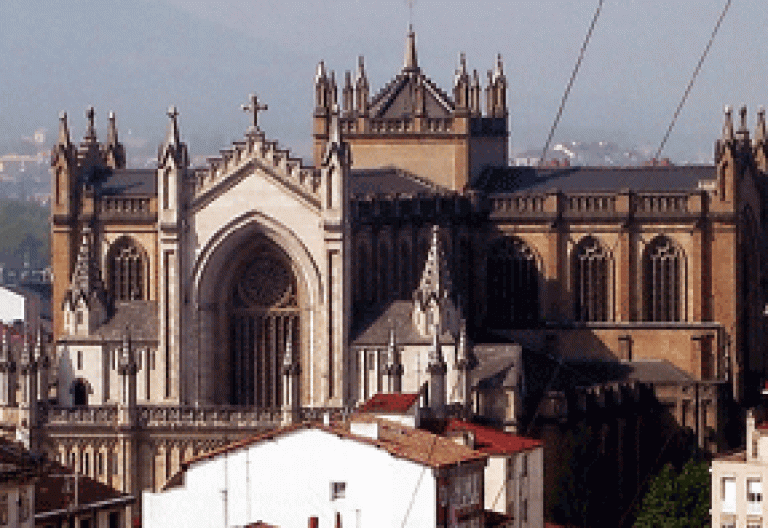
{"points": [[263, 316]]}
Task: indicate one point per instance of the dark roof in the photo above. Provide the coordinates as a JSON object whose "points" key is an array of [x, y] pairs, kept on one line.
{"points": [[397, 98], [493, 441], [394, 403], [373, 325], [390, 180], [129, 182], [17, 463], [494, 366], [139, 317], [51, 496], [593, 179]]}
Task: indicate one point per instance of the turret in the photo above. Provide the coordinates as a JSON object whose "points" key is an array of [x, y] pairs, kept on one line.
{"points": [[127, 369], [348, 94], [7, 373], [362, 89], [761, 142], [733, 153], [393, 370], [461, 86], [114, 152], [500, 90], [436, 368], [463, 365]]}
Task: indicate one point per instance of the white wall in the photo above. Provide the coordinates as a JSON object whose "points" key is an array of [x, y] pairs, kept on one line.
{"points": [[511, 485], [287, 480], [18, 306]]}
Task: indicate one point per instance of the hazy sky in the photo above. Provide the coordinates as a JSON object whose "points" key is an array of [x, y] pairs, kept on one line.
{"points": [[206, 56]]}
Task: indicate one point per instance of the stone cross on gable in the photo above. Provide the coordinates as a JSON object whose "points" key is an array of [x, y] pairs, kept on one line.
{"points": [[254, 107]]}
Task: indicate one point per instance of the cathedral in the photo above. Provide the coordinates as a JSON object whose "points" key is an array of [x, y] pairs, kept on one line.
{"points": [[194, 306]]}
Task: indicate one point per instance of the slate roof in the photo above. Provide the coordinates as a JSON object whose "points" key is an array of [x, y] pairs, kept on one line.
{"points": [[493, 441], [494, 365], [593, 179], [140, 317], [390, 180], [129, 182], [52, 500], [372, 327], [392, 403]]}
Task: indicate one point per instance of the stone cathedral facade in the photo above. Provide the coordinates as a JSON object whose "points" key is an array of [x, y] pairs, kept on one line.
{"points": [[196, 305]]}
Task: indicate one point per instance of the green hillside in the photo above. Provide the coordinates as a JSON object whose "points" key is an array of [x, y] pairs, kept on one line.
{"points": [[24, 229]]}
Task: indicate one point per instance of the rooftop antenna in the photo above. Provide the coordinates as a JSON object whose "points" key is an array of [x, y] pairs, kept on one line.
{"points": [[411, 4]]}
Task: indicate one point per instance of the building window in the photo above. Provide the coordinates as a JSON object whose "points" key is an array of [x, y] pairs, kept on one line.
{"points": [[24, 506], [114, 520], [80, 392], [100, 464], [591, 278], [523, 465], [512, 285], [663, 281], [728, 494], [127, 271], [338, 490], [79, 360]]}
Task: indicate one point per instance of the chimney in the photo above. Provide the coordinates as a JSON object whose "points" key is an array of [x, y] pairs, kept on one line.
{"points": [[338, 520], [314, 522]]}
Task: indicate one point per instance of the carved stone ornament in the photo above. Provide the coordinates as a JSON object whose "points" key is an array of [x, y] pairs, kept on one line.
{"points": [[267, 281]]}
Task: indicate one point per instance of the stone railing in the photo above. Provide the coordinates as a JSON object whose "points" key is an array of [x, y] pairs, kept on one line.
{"points": [[661, 203], [125, 207], [578, 204], [207, 416], [391, 125], [180, 416], [439, 124], [517, 203], [88, 415]]}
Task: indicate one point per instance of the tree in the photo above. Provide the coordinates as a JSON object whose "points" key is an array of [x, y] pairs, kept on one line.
{"points": [[677, 500]]}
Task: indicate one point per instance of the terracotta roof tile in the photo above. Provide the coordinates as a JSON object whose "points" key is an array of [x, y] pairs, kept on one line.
{"points": [[50, 495], [493, 441], [398, 403]]}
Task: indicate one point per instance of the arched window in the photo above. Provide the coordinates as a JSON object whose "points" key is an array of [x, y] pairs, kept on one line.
{"points": [[591, 277], [663, 266], [512, 284], [127, 271], [80, 392]]}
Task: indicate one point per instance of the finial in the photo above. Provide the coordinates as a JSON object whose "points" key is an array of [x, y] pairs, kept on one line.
{"points": [[112, 129], [475, 79], [743, 120], [728, 126], [499, 66], [760, 133], [360, 68], [347, 79], [410, 63], [63, 129], [463, 63], [90, 115], [334, 136], [320, 75], [173, 126]]}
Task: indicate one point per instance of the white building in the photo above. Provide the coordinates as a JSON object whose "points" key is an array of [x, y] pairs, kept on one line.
{"points": [[514, 476], [368, 472], [737, 480], [20, 304]]}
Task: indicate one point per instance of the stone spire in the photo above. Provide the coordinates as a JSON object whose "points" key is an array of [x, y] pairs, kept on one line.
{"points": [[85, 294], [760, 130], [64, 139], [321, 88], [433, 297], [90, 130], [393, 370], [114, 150], [173, 150], [410, 62], [437, 370], [348, 94], [761, 142], [728, 134], [361, 88], [743, 132]]}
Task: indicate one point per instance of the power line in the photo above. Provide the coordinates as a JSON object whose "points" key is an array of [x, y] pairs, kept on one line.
{"points": [[693, 79], [570, 82]]}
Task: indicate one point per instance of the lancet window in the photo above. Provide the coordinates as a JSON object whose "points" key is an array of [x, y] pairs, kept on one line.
{"points": [[663, 281], [512, 285], [591, 276], [127, 271]]}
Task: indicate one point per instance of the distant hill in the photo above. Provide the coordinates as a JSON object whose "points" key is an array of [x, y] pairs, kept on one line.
{"points": [[24, 230]]}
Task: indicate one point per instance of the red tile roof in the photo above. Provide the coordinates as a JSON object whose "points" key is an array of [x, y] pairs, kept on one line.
{"points": [[400, 441], [51, 496], [493, 441], [389, 403]]}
